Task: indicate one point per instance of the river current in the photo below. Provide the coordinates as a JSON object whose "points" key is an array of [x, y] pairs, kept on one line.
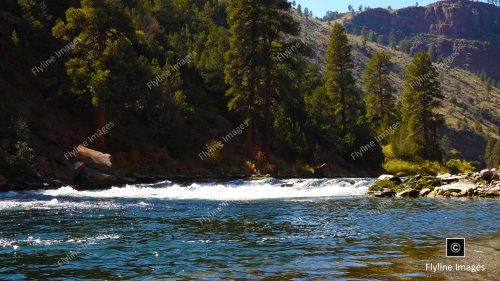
{"points": [[291, 229]]}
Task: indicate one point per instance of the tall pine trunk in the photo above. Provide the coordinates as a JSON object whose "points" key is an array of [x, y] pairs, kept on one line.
{"points": [[101, 110], [268, 116], [101, 122]]}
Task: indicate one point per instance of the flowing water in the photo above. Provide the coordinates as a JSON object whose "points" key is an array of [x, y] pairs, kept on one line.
{"points": [[298, 229]]}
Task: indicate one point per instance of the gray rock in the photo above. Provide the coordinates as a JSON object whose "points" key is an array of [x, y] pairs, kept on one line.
{"points": [[486, 174], [386, 192], [433, 194], [443, 176], [493, 192], [385, 177], [97, 177], [424, 192], [438, 191], [468, 192], [408, 193]]}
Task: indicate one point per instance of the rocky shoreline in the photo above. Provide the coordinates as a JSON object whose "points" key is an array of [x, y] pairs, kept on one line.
{"points": [[480, 184]]}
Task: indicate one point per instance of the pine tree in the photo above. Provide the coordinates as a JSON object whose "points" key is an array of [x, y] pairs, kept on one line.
{"points": [[241, 72], [277, 22], [101, 31], [379, 99], [404, 45], [392, 39], [430, 51], [251, 59], [492, 153], [340, 86], [417, 136], [299, 9]]}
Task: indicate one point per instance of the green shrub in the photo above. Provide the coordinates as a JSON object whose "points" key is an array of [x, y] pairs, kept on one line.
{"points": [[21, 163], [456, 166], [379, 185], [214, 149], [396, 166]]}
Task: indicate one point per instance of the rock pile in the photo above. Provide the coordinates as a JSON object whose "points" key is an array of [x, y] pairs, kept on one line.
{"points": [[482, 184]]}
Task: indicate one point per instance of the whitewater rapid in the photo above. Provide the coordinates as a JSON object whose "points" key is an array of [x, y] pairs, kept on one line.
{"points": [[237, 190], [233, 190]]}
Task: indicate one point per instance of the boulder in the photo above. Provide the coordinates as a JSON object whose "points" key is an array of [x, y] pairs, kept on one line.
{"points": [[447, 178], [467, 192], [443, 176], [91, 176], [438, 191], [386, 192], [385, 177], [493, 191], [424, 192], [452, 189], [94, 159], [486, 174], [408, 193], [77, 168], [433, 194]]}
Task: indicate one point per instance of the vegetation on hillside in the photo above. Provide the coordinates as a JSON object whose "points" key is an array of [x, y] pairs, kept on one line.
{"points": [[177, 75]]}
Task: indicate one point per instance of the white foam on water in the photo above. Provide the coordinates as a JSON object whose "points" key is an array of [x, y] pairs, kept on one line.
{"points": [[32, 241], [54, 204], [233, 190]]}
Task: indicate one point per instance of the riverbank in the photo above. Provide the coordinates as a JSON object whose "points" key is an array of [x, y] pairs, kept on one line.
{"points": [[480, 184], [92, 169]]}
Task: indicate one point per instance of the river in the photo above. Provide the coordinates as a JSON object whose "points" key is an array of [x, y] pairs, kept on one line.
{"points": [[293, 229]]}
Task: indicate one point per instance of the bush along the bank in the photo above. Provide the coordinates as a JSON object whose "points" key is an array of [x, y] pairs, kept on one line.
{"points": [[482, 184]]}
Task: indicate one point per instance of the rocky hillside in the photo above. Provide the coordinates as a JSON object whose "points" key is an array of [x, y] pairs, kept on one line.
{"points": [[469, 28], [470, 112]]}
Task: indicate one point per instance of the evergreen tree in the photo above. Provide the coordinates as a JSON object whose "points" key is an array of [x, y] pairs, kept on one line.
{"points": [[241, 61], [404, 45], [299, 9], [306, 12], [430, 51], [251, 59], [492, 153], [340, 86], [103, 33], [417, 136], [392, 39], [379, 99], [277, 22]]}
